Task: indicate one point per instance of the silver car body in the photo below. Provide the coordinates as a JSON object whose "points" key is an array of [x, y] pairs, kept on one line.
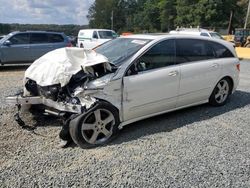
{"points": [[151, 92]]}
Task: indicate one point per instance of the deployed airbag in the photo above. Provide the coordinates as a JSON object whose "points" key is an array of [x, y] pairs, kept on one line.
{"points": [[58, 66]]}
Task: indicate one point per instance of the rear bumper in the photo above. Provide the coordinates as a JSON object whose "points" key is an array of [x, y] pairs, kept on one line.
{"points": [[32, 100]]}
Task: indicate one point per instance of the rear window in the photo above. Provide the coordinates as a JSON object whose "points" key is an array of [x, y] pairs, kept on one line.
{"points": [[188, 50], [37, 38], [221, 51], [54, 38], [204, 34], [106, 34], [216, 35]]}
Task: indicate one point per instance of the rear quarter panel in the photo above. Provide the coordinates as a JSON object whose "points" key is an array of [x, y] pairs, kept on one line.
{"points": [[229, 68]]}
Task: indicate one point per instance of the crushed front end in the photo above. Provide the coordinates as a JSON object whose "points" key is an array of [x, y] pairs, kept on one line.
{"points": [[56, 83]]}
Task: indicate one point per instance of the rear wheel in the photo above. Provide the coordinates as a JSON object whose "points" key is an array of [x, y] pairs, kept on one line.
{"points": [[97, 127], [221, 92]]}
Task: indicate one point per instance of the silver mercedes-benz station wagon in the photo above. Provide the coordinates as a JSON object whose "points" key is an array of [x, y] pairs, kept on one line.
{"points": [[97, 92]]}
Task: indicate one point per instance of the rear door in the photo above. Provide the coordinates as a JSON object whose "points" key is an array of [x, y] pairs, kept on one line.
{"points": [[200, 69], [18, 51], [56, 41], [39, 45]]}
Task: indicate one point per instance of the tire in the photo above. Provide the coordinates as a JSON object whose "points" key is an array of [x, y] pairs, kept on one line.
{"points": [[96, 127], [221, 92]]}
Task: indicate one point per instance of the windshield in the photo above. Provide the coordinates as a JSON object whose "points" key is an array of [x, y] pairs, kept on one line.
{"points": [[119, 49], [216, 35], [107, 34]]}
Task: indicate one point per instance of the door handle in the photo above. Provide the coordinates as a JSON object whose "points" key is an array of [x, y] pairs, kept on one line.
{"points": [[173, 73], [26, 47], [215, 65]]}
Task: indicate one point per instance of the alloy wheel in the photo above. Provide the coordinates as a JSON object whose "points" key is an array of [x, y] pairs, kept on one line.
{"points": [[222, 91], [97, 126]]}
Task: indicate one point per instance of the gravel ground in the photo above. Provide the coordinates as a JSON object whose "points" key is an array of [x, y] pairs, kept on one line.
{"points": [[201, 146]]}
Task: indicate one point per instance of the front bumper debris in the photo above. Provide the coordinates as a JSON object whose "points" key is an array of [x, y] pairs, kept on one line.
{"points": [[32, 100], [20, 121]]}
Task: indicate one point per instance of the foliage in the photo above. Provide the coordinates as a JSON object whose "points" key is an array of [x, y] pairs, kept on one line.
{"points": [[164, 15], [67, 29]]}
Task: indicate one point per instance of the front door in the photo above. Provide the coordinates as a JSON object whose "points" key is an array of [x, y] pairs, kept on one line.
{"points": [[151, 83], [18, 50]]}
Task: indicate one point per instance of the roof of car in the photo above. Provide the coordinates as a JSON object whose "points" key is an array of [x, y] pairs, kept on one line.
{"points": [[14, 32], [156, 36], [96, 30], [151, 36]]}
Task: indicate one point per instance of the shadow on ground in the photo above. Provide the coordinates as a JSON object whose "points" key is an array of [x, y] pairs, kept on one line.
{"points": [[5, 68], [173, 120]]}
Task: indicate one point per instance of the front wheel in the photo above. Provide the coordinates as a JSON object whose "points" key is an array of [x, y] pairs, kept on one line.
{"points": [[96, 127], [221, 92]]}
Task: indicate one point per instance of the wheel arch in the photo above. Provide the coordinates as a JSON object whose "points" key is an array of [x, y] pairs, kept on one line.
{"points": [[116, 108]]}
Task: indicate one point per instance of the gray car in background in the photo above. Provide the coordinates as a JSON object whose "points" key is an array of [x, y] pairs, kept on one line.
{"points": [[27, 46]]}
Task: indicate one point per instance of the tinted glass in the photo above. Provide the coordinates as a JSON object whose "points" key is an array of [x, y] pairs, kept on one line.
{"points": [[37, 38], [160, 55], [22, 38], [204, 34], [120, 49], [220, 50], [53, 38], [105, 34], [95, 36], [188, 50], [216, 35]]}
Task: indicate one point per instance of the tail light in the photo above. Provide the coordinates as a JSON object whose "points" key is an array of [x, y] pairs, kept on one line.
{"points": [[238, 67], [69, 44]]}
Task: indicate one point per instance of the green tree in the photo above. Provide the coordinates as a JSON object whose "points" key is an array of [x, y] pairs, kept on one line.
{"points": [[165, 15]]}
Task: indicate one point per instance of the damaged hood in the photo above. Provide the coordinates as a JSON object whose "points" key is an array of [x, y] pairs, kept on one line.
{"points": [[58, 66]]}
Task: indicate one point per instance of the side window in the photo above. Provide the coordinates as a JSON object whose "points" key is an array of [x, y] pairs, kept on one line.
{"points": [[204, 34], [221, 51], [37, 38], [188, 50], [95, 36], [160, 55], [22, 38], [54, 38]]}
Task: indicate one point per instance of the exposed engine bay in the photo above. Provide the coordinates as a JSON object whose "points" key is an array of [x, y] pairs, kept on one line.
{"points": [[63, 74]]}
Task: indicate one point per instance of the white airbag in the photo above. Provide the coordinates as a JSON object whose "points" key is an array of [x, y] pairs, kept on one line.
{"points": [[57, 66]]}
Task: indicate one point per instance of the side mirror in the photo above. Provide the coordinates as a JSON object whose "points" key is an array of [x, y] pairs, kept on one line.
{"points": [[7, 43]]}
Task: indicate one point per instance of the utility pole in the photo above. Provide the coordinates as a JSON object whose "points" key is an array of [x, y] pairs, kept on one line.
{"points": [[229, 30], [112, 20], [248, 10]]}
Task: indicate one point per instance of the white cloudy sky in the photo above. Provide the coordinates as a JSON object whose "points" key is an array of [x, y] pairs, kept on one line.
{"points": [[44, 11]]}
